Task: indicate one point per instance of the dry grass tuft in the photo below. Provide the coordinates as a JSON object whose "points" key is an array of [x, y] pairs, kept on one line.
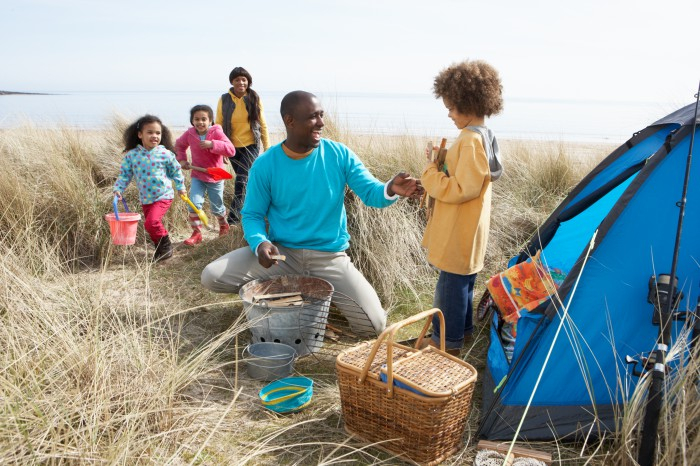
{"points": [[91, 366]]}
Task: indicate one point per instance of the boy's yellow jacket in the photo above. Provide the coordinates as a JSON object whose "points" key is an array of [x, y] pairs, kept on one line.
{"points": [[458, 229]]}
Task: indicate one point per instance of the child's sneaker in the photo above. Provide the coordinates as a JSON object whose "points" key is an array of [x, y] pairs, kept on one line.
{"points": [[196, 238], [224, 229]]}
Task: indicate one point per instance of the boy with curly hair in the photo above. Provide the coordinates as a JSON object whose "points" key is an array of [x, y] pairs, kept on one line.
{"points": [[457, 230]]}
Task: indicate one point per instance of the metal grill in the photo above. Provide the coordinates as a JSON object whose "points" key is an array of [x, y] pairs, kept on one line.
{"points": [[305, 313]]}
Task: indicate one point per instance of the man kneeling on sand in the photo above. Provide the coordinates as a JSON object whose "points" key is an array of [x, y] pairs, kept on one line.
{"points": [[298, 186]]}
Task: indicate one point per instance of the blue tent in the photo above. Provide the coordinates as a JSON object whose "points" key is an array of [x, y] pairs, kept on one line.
{"points": [[631, 199]]}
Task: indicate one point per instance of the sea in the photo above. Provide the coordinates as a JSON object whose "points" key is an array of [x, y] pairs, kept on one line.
{"points": [[362, 113]]}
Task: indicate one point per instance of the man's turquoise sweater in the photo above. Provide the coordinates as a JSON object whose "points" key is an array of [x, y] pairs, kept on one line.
{"points": [[303, 200]]}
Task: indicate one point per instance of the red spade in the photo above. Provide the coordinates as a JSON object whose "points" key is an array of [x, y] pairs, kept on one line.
{"points": [[215, 172]]}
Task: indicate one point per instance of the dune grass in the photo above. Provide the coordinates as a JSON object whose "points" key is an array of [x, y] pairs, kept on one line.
{"points": [[108, 359]]}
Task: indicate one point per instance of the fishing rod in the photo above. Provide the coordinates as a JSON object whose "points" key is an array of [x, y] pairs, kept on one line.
{"points": [[647, 447]]}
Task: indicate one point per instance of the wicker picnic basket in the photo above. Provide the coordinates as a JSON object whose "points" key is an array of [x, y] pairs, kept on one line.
{"points": [[414, 401]]}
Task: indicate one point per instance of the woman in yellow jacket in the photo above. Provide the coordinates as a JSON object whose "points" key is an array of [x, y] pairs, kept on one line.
{"points": [[240, 114], [458, 227]]}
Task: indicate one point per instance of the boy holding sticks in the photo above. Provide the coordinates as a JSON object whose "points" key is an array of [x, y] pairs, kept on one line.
{"points": [[458, 225]]}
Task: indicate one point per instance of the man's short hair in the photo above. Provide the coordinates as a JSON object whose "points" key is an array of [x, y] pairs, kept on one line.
{"points": [[292, 100]]}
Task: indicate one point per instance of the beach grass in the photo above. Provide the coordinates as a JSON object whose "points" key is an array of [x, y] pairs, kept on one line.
{"points": [[106, 358]]}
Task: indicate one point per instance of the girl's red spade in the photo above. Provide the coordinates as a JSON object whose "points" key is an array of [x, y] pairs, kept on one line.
{"points": [[215, 172]]}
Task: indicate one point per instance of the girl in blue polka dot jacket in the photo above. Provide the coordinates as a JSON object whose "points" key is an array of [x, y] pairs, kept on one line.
{"points": [[150, 160]]}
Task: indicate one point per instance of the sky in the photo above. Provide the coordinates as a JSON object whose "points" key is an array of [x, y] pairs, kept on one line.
{"points": [[608, 50]]}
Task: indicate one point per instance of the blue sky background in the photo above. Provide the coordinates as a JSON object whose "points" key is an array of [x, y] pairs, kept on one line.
{"points": [[596, 50]]}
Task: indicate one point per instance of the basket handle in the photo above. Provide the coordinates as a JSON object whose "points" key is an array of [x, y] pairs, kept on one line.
{"points": [[390, 335], [296, 391]]}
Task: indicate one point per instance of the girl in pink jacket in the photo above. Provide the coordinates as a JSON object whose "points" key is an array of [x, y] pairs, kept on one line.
{"points": [[208, 146]]}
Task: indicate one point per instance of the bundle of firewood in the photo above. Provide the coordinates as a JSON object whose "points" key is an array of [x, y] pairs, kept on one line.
{"points": [[439, 158], [280, 299]]}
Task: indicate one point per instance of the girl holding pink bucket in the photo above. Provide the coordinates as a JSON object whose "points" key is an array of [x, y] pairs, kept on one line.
{"points": [[150, 160]]}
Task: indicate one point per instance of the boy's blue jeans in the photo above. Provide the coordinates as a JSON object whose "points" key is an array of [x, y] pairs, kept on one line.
{"points": [[453, 296], [215, 191]]}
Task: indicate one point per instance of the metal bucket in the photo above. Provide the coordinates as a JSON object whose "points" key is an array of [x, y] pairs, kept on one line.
{"points": [[269, 361], [301, 327]]}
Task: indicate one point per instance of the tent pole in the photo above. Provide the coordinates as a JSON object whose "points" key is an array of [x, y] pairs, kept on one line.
{"points": [[647, 447]]}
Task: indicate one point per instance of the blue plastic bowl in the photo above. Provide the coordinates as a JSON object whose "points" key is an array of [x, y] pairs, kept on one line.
{"points": [[287, 395]]}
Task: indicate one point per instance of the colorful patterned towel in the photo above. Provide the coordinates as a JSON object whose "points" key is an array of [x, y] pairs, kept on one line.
{"points": [[523, 286]]}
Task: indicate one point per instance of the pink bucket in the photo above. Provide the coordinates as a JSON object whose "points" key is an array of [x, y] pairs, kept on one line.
{"points": [[123, 230]]}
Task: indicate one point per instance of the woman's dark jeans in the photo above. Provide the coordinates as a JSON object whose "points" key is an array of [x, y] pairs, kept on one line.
{"points": [[245, 156]]}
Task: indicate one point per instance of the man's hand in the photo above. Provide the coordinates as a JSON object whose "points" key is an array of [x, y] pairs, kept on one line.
{"points": [[185, 165], [405, 185], [265, 251]]}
